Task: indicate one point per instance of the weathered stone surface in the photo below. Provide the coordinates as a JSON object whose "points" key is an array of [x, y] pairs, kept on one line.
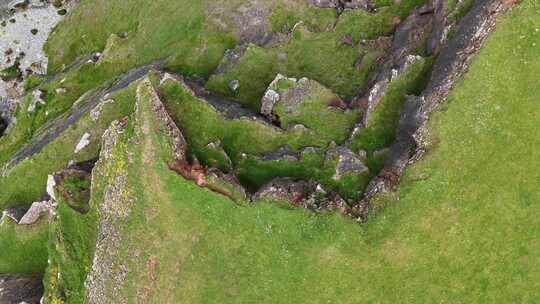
{"points": [[226, 184], [179, 144], [21, 43], [96, 111], [283, 153], [347, 162], [21, 288], [83, 142], [37, 210], [285, 97], [231, 58], [410, 35], [252, 23], [106, 277], [84, 104], [301, 194], [343, 4], [321, 200], [283, 189]]}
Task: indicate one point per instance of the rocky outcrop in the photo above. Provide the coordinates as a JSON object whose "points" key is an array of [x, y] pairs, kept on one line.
{"points": [[106, 277], [409, 36], [283, 189], [343, 4], [83, 142], [283, 153], [178, 142], [21, 288], [304, 103], [252, 22], [37, 210], [82, 106], [300, 194], [347, 162], [451, 64]]}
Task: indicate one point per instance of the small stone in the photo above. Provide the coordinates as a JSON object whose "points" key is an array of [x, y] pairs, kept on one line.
{"points": [[234, 85], [362, 155], [36, 99], [269, 99], [34, 31], [347, 40], [62, 12], [60, 90], [83, 143], [51, 183], [347, 162]]}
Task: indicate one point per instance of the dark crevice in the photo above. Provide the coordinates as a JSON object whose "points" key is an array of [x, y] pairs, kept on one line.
{"points": [[452, 62]]}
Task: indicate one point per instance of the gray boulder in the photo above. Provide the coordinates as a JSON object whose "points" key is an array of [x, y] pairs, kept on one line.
{"points": [[37, 210], [347, 162]]}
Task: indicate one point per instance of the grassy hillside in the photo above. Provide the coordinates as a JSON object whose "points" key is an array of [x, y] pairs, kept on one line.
{"points": [[461, 228]]}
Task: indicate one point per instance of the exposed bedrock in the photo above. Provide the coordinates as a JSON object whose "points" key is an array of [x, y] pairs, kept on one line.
{"points": [[409, 36], [21, 288], [51, 130], [300, 194], [451, 64], [343, 4]]}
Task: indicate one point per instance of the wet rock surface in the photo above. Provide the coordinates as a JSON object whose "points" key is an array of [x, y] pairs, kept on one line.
{"points": [[21, 288]]}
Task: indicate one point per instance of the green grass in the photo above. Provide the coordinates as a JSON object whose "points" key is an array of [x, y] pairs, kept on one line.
{"points": [[320, 56], [26, 182], [380, 130], [202, 124], [71, 245], [464, 229], [313, 110], [460, 229], [23, 247]]}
